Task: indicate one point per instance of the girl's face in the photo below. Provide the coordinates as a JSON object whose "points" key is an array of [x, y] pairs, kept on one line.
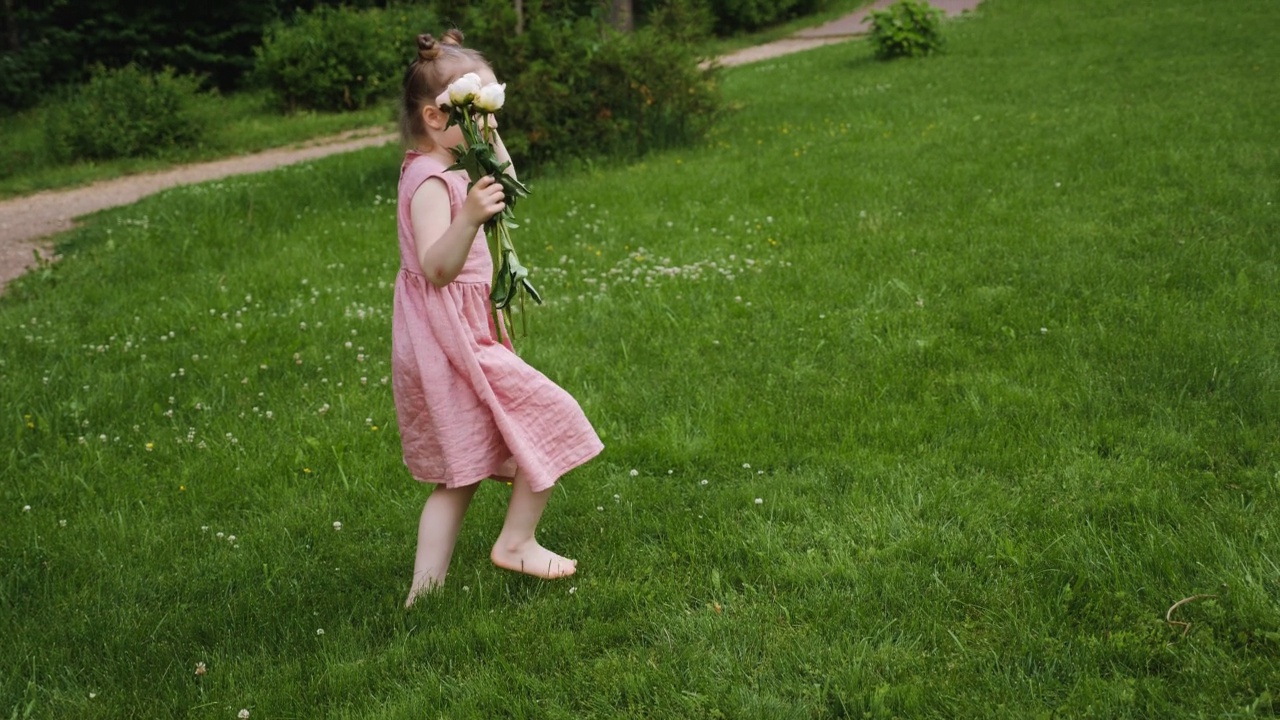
{"points": [[450, 137]]}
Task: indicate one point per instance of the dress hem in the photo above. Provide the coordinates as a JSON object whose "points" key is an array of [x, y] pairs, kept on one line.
{"points": [[584, 452]]}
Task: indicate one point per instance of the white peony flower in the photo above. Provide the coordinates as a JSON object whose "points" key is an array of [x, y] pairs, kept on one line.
{"points": [[491, 97], [464, 89]]}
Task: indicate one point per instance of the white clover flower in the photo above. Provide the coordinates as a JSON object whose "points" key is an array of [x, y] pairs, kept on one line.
{"points": [[464, 89], [337, 525], [319, 631], [26, 508], [759, 501], [634, 472], [491, 97], [243, 714]]}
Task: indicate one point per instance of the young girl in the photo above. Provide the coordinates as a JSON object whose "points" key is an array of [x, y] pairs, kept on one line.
{"points": [[469, 408]]}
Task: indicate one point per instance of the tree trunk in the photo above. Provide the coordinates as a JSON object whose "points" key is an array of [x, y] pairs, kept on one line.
{"points": [[519, 17], [620, 14]]}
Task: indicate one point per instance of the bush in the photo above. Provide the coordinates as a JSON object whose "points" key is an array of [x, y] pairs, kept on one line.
{"points": [[684, 20], [908, 28], [125, 112], [338, 58], [578, 89], [738, 15]]}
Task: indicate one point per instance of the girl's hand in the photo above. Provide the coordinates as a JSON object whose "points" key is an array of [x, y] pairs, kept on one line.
{"points": [[484, 201]]}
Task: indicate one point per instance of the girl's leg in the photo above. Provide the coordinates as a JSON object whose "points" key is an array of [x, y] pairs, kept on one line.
{"points": [[437, 532], [516, 548]]}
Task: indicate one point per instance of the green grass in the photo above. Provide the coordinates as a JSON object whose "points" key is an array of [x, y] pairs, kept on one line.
{"points": [[996, 333], [236, 123]]}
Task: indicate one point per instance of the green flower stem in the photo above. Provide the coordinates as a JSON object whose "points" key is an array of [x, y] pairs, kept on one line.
{"points": [[477, 156]]}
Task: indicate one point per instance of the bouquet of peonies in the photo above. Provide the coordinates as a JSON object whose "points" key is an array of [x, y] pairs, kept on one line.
{"points": [[471, 106]]}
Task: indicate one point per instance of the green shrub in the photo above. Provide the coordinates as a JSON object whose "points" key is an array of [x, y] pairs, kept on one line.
{"points": [[908, 28], [685, 20], [648, 93], [742, 15], [578, 89], [338, 58], [124, 112]]}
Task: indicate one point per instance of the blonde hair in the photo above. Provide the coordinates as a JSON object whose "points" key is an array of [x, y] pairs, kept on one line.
{"points": [[439, 62]]}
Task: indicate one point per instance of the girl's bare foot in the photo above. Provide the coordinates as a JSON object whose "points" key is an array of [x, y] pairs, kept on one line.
{"points": [[422, 588], [531, 558]]}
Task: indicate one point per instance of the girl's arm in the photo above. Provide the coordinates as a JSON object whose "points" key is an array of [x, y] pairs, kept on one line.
{"points": [[443, 244]]}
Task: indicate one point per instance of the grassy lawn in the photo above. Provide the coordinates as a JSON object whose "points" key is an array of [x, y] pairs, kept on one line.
{"points": [[929, 388]]}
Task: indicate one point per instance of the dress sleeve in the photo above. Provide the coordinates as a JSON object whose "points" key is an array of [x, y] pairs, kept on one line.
{"points": [[422, 169]]}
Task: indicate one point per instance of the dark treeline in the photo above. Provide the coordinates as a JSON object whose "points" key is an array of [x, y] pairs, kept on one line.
{"points": [[55, 42], [49, 43], [46, 43]]}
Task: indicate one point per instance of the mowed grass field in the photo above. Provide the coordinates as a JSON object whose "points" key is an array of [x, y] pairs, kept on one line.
{"points": [[935, 389]]}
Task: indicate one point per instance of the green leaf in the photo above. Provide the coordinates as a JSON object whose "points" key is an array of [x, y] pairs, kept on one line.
{"points": [[528, 287]]}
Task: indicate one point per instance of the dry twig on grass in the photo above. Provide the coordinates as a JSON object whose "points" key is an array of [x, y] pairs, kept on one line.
{"points": [[1186, 626]]}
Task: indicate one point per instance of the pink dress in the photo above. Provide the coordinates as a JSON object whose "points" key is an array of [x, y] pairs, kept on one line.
{"points": [[469, 408]]}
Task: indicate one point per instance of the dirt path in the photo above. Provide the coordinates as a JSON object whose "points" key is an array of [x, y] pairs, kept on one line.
{"points": [[28, 223], [841, 29]]}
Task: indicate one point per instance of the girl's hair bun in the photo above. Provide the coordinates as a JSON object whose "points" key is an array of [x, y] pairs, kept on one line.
{"points": [[452, 36], [428, 48]]}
